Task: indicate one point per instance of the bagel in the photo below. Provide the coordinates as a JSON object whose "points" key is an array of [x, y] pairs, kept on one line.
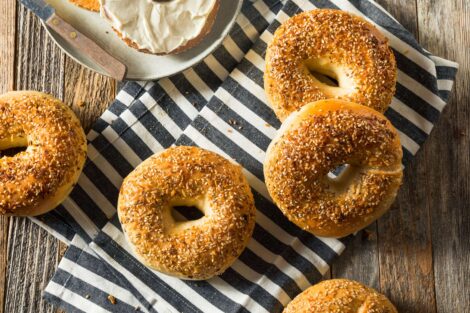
{"points": [[187, 176], [318, 139], [340, 295], [160, 27], [35, 181], [332, 44], [92, 5]]}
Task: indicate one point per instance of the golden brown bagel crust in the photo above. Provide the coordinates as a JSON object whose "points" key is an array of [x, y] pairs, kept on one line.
{"points": [[190, 44], [340, 39], [317, 139], [340, 295], [35, 181], [183, 176], [92, 5]]}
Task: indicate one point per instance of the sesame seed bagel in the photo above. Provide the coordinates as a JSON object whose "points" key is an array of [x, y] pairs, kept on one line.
{"points": [[187, 176], [318, 139], [312, 47], [340, 295], [35, 181], [92, 5]]}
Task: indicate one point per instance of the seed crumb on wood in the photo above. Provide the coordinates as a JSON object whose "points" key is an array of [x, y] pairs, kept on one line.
{"points": [[368, 235]]}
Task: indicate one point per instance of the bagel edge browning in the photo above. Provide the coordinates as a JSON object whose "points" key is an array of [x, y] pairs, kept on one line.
{"points": [[205, 248], [369, 61], [281, 166], [340, 295], [42, 204]]}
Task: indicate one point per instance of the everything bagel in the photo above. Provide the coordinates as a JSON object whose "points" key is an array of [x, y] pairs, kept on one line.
{"points": [[340, 295], [334, 44], [187, 176], [92, 5], [316, 140], [35, 181]]}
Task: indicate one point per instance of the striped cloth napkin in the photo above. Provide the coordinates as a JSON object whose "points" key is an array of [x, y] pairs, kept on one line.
{"points": [[223, 110]]}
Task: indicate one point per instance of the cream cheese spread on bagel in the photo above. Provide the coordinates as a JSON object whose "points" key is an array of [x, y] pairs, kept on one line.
{"points": [[160, 27]]}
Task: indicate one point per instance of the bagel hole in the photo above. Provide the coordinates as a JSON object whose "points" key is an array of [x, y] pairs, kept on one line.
{"points": [[186, 213], [11, 152], [327, 79], [341, 178], [336, 173], [13, 146]]}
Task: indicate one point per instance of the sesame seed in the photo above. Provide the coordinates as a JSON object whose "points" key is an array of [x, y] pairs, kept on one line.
{"points": [[347, 43], [196, 177], [297, 165], [55, 154]]}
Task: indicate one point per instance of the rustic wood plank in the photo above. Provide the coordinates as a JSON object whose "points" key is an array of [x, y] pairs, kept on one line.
{"points": [[7, 64], [7, 45], [404, 241], [444, 30], [386, 256], [404, 235], [32, 261], [88, 93], [41, 66], [32, 252], [360, 259], [3, 259], [404, 11]]}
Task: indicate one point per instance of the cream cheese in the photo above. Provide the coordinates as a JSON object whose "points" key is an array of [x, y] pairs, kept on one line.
{"points": [[158, 26]]}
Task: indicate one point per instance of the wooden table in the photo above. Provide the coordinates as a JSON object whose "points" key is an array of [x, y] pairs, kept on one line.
{"points": [[418, 253]]}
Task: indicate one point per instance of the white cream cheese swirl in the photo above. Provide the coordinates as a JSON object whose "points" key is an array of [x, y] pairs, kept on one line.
{"points": [[158, 26]]}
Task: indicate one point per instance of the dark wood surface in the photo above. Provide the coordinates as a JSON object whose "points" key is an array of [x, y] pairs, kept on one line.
{"points": [[418, 254]]}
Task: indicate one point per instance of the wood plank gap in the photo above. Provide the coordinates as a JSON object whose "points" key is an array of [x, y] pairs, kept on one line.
{"points": [[39, 66], [7, 83], [405, 248], [443, 30]]}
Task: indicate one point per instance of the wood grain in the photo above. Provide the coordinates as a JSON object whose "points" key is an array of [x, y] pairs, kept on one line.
{"points": [[360, 260], [444, 30], [7, 45], [395, 255], [404, 11], [88, 93], [7, 64], [32, 252], [404, 235]]}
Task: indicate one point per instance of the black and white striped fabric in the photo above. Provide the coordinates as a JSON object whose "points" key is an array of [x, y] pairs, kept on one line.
{"points": [[147, 117], [280, 260], [176, 101]]}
